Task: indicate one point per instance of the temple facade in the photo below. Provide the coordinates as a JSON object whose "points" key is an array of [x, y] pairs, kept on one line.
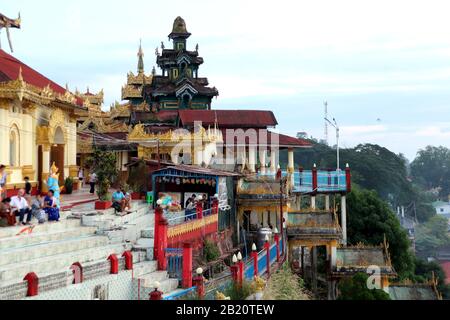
{"points": [[38, 119]]}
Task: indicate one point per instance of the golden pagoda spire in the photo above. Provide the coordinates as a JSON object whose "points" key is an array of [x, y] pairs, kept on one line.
{"points": [[140, 55]]}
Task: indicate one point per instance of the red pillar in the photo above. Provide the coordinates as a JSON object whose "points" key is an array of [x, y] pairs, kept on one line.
{"points": [[255, 262], [234, 272], [77, 271], [114, 264], [155, 295], [158, 216], [277, 241], [240, 271], [187, 265], [162, 244], [198, 281], [199, 209], [128, 260], [33, 284], [348, 179], [314, 179], [215, 206], [267, 247]]}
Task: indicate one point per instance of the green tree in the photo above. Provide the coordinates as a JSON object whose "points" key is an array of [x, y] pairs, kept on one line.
{"points": [[431, 168], [369, 219], [431, 235], [103, 163], [355, 288]]}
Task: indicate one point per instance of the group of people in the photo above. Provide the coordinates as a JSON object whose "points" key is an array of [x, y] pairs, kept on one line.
{"points": [[190, 206], [121, 201], [25, 207]]}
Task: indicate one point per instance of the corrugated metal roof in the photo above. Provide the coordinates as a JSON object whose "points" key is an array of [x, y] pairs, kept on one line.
{"points": [[199, 170], [229, 118]]}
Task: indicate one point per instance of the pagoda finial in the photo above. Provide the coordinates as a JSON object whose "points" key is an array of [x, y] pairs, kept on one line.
{"points": [[140, 58], [162, 45], [196, 47], [153, 71], [87, 89], [20, 77]]}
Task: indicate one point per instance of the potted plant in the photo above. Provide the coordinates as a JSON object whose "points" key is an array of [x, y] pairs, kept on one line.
{"points": [[68, 185], [103, 163]]}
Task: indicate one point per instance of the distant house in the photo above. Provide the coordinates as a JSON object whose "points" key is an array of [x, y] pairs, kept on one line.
{"points": [[442, 208]]}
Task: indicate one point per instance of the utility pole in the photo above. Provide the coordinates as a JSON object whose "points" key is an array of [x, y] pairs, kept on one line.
{"points": [[325, 129], [335, 125]]}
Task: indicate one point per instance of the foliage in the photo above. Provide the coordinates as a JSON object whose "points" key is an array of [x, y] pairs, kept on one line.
{"points": [[431, 235], [369, 220], [137, 178], [431, 168], [103, 163], [210, 251], [68, 185], [355, 288], [424, 272], [285, 285], [239, 292]]}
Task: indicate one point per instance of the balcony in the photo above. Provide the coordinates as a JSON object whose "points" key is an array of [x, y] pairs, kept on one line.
{"points": [[320, 225], [318, 181]]}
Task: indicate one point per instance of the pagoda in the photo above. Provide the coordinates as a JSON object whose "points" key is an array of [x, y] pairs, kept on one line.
{"points": [[179, 86]]}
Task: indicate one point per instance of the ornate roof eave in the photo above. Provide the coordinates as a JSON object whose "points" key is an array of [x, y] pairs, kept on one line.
{"points": [[138, 134], [19, 89], [130, 92]]}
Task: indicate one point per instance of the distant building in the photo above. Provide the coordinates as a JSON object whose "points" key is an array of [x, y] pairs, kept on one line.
{"points": [[442, 208]]}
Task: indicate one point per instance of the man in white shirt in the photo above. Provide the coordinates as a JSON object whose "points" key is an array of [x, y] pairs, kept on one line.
{"points": [[92, 181], [20, 207]]}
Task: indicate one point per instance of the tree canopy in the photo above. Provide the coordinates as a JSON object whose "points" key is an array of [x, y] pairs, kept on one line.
{"points": [[355, 288], [431, 169], [431, 235]]}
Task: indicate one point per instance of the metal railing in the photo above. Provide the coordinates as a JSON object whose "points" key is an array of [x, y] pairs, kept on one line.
{"points": [[327, 180], [174, 258]]}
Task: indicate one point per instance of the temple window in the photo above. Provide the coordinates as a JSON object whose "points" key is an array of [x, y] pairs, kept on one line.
{"points": [[180, 45], [174, 73]]}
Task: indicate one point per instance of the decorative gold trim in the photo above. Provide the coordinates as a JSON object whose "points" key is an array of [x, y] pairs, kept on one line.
{"points": [[183, 228]]}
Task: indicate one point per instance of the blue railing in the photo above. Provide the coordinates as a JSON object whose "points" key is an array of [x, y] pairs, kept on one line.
{"points": [[180, 293], [187, 217], [327, 181], [174, 258], [262, 262], [248, 269]]}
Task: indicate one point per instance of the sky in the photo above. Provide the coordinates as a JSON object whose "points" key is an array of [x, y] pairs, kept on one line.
{"points": [[382, 66]]}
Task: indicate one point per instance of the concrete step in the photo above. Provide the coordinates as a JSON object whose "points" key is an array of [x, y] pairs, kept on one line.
{"points": [[39, 237], [110, 221], [57, 263], [168, 285], [44, 249], [142, 268], [148, 280], [148, 233], [41, 228]]}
